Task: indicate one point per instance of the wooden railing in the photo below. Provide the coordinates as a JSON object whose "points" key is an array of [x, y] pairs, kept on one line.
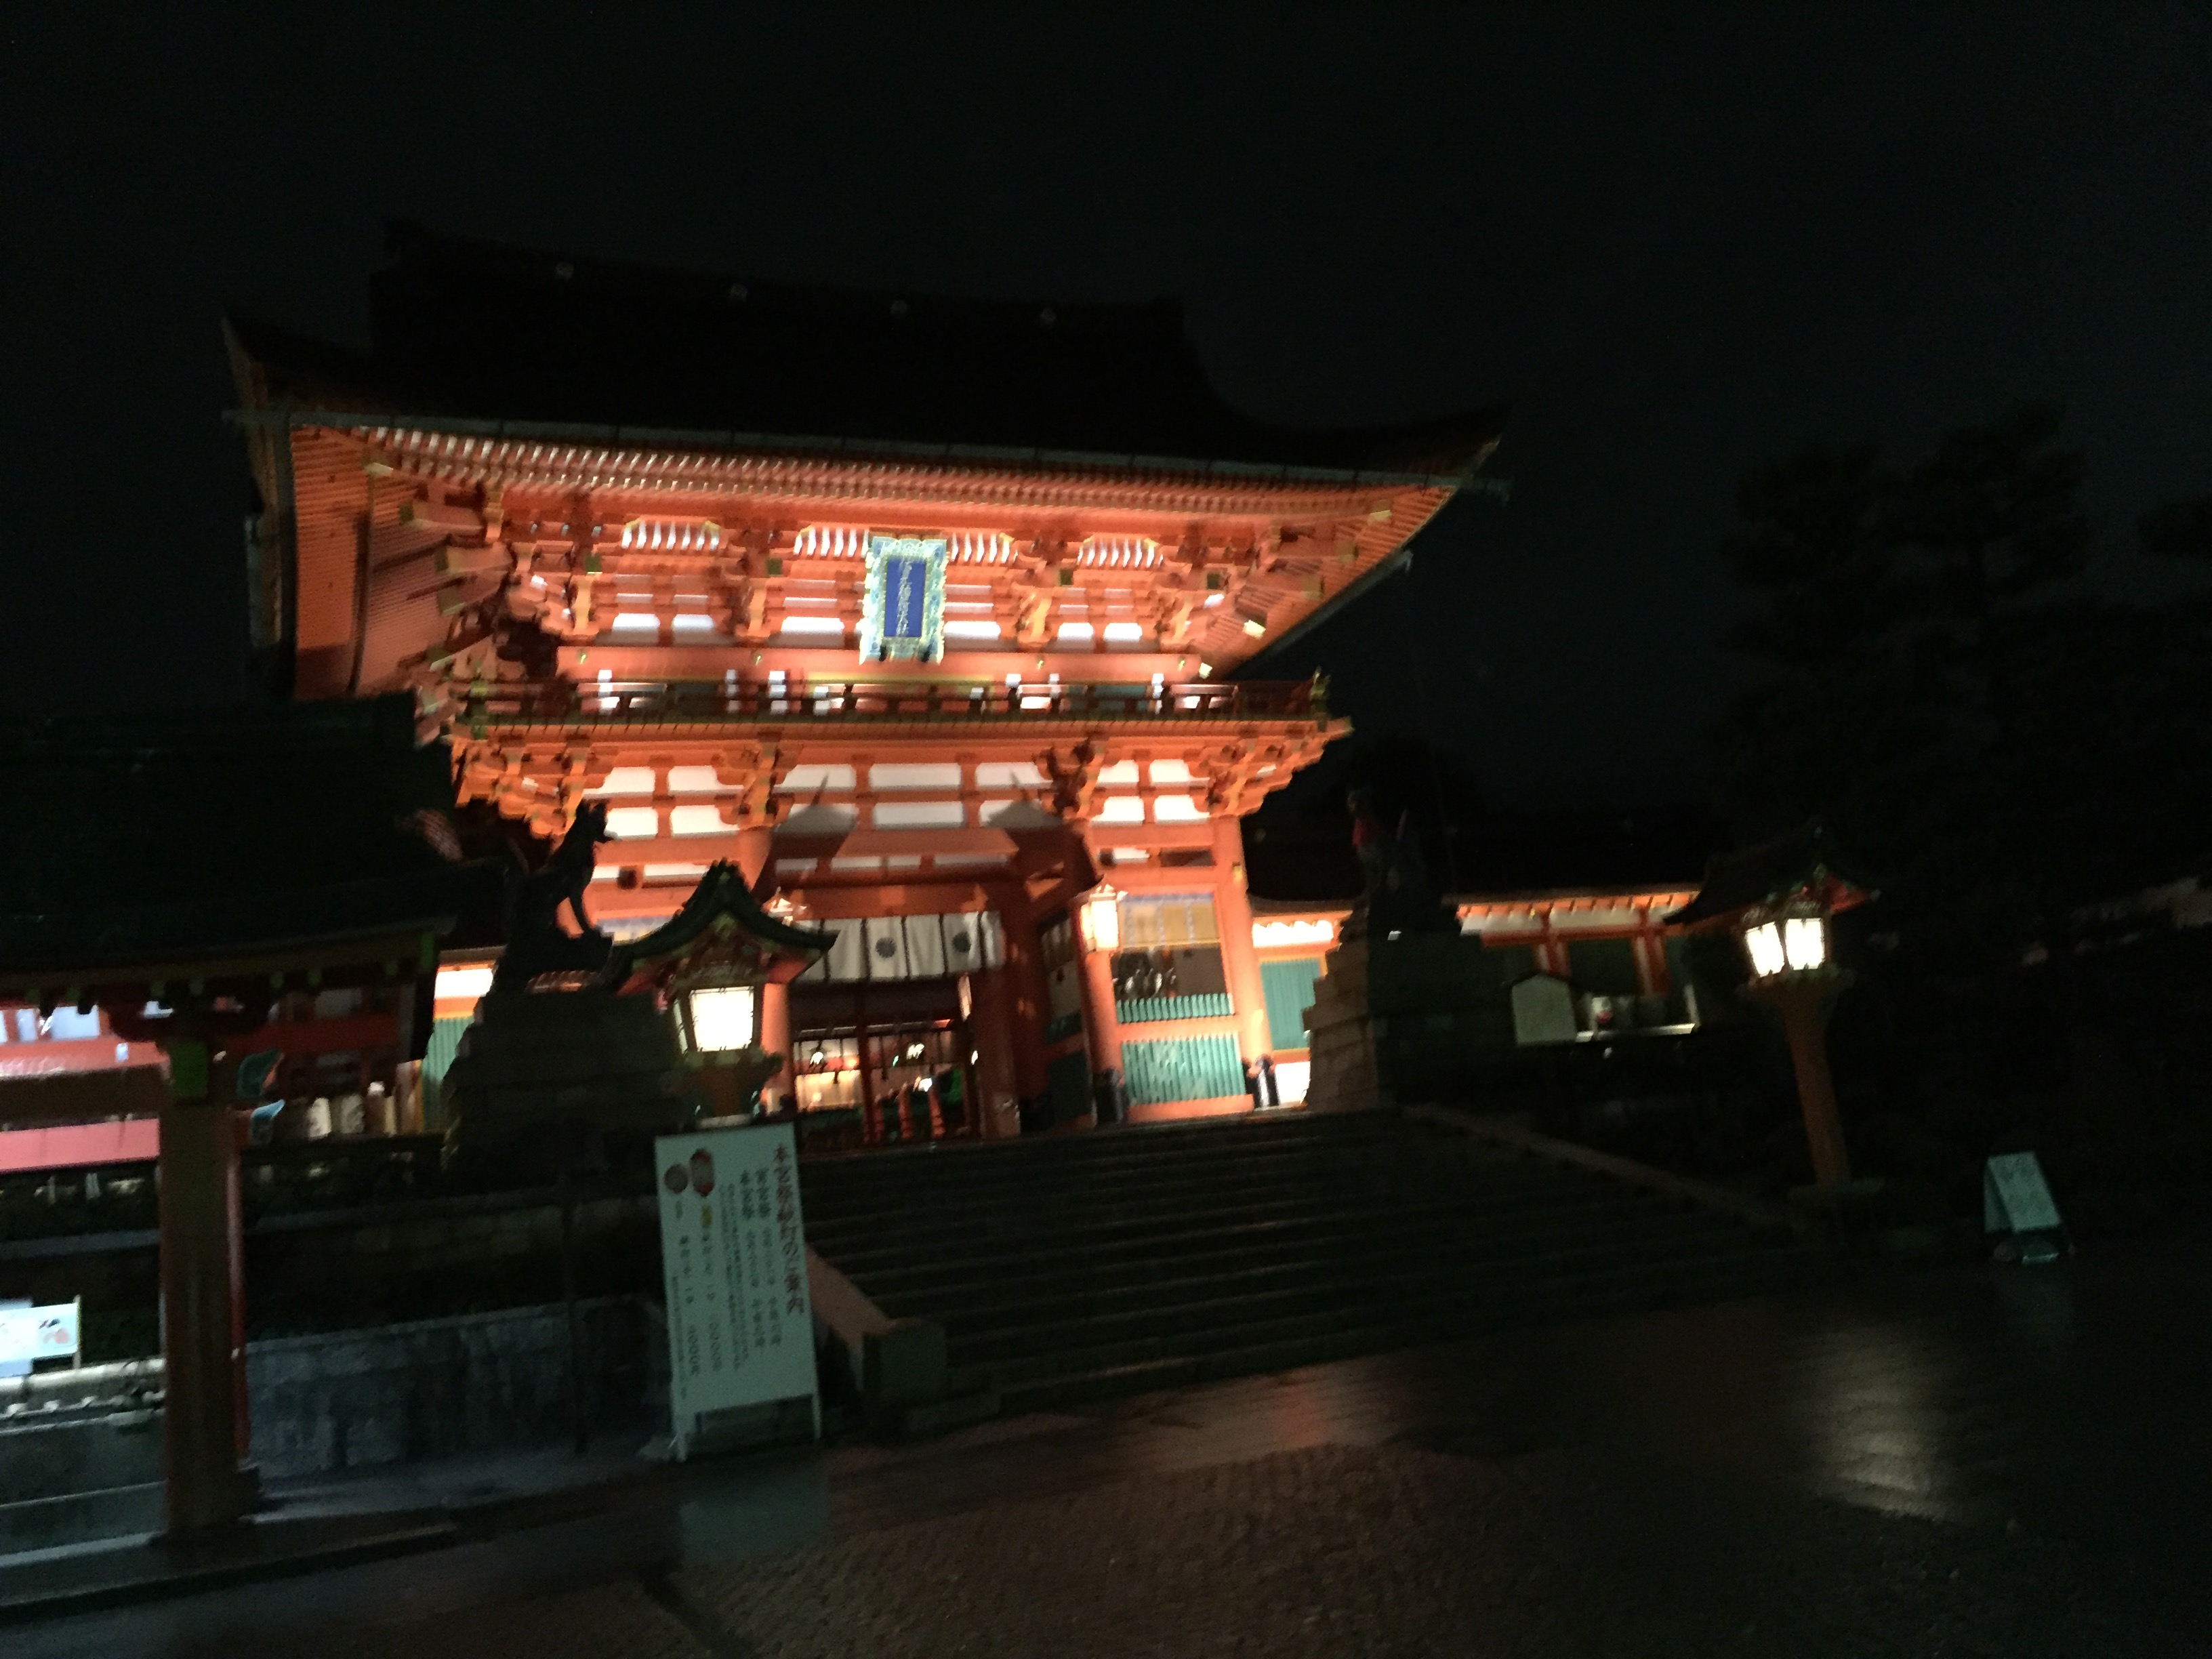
{"points": [[660, 701]]}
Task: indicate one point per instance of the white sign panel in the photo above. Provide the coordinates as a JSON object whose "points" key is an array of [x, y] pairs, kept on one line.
{"points": [[734, 1265], [29, 1333], [2015, 1199]]}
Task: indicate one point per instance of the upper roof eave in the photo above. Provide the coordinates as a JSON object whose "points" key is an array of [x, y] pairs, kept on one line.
{"points": [[308, 381], [977, 456]]}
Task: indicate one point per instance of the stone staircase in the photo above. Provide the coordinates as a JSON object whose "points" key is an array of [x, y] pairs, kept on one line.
{"points": [[1070, 1267]]}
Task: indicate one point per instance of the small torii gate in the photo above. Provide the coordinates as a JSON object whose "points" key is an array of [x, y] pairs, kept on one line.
{"points": [[181, 873]]}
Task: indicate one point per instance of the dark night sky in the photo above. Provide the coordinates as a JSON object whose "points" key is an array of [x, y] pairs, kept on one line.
{"points": [[1673, 245]]}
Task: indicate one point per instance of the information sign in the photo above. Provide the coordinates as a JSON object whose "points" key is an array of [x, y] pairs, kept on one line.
{"points": [[2016, 1199], [733, 1265], [28, 1334]]}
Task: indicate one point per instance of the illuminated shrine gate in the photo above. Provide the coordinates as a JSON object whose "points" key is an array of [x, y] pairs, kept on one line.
{"points": [[966, 657]]}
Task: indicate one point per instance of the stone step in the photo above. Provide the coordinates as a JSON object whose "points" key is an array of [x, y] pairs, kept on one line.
{"points": [[1334, 1299], [903, 1171], [1243, 1175], [1469, 1168], [1379, 1153], [883, 1259], [1340, 1295], [80, 1517], [1275, 1344], [1781, 1270], [988, 1301], [1075, 1218], [1149, 1256], [1140, 1257]]}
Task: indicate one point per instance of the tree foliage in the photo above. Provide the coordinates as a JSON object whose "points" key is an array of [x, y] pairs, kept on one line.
{"points": [[1998, 747], [2179, 529]]}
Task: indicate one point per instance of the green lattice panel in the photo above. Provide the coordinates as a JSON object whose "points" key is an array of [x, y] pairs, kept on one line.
{"points": [[437, 1055], [1139, 1011], [1169, 1069], [445, 1038], [1290, 988]]}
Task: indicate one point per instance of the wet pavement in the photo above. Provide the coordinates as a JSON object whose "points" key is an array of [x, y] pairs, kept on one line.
{"points": [[1967, 1460]]}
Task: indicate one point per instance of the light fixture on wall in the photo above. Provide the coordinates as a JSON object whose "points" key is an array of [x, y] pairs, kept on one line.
{"points": [[1100, 916]]}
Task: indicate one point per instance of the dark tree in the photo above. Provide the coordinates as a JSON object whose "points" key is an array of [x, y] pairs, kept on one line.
{"points": [[1992, 513], [2179, 529], [2001, 750]]}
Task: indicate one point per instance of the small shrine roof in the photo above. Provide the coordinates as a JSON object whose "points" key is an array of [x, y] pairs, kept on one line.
{"points": [[479, 330], [721, 892], [241, 832], [1799, 862]]}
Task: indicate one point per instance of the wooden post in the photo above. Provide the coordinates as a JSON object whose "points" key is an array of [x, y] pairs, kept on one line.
{"points": [[1798, 999], [1240, 959], [775, 1037], [1101, 1026], [872, 1129], [754, 842], [992, 1024], [201, 1273], [756, 845], [1027, 1001]]}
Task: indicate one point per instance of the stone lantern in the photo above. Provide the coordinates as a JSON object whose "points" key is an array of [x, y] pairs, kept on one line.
{"points": [[1778, 901], [712, 966]]}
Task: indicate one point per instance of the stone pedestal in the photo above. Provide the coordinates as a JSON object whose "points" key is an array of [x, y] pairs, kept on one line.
{"points": [[533, 1061], [1339, 1035], [1405, 1021]]}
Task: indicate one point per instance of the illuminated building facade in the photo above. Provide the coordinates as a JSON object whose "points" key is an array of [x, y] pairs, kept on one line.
{"points": [[926, 613]]}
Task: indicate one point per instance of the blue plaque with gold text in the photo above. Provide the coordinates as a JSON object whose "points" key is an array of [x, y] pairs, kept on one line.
{"points": [[903, 612]]}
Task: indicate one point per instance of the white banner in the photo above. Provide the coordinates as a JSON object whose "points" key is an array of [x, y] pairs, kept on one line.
{"points": [[734, 1265], [28, 1334]]}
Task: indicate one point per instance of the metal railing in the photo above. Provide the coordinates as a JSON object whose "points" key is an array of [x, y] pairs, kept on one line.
{"points": [[504, 703]]}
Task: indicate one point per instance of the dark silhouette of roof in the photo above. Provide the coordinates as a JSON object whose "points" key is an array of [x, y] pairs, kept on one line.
{"points": [[1649, 850], [478, 331], [1799, 862], [181, 837], [1307, 857]]}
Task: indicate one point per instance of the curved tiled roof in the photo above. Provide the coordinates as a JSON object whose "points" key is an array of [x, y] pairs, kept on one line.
{"points": [[476, 330]]}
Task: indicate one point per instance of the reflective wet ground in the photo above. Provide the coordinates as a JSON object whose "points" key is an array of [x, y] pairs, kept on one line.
{"points": [[1967, 1460]]}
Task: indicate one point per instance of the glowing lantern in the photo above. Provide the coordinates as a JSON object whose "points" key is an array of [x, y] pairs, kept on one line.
{"points": [[1101, 918]]}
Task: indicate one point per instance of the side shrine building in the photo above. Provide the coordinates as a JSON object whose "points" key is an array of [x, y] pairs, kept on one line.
{"points": [[928, 614]]}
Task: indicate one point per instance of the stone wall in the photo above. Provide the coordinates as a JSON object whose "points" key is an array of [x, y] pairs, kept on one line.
{"points": [[333, 1269], [91, 1466], [436, 1388]]}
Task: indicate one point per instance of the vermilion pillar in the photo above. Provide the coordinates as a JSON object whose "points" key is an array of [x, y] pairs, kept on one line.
{"points": [[1026, 997], [1800, 1000], [1240, 962], [204, 1405], [1102, 1027], [775, 1038], [991, 1024], [754, 846]]}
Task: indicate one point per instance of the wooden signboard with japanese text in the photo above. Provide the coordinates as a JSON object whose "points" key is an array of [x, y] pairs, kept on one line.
{"points": [[733, 1265]]}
